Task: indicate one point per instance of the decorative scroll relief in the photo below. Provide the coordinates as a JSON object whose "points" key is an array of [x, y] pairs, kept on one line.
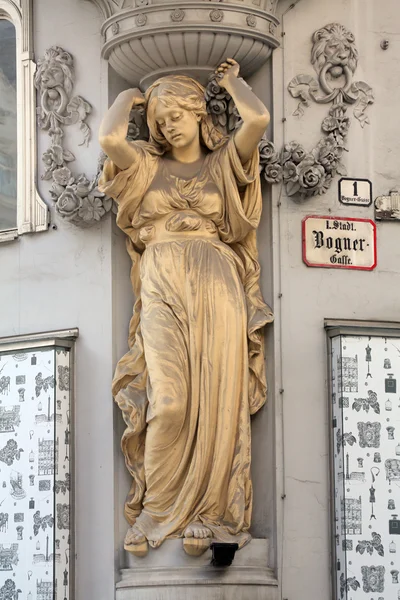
{"points": [[76, 197], [334, 56], [366, 448], [35, 473]]}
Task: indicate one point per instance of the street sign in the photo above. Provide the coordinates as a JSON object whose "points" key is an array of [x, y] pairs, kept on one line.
{"points": [[355, 192], [335, 242]]}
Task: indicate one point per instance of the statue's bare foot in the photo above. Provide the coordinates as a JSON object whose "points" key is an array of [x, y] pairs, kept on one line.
{"points": [[197, 539], [135, 542]]}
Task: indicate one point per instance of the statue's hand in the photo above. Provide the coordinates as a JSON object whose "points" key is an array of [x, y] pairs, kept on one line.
{"points": [[134, 95], [226, 72]]}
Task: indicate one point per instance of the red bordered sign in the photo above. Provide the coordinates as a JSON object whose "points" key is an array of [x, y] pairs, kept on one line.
{"points": [[337, 243]]}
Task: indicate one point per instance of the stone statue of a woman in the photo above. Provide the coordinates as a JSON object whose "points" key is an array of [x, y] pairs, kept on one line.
{"points": [[190, 202]]}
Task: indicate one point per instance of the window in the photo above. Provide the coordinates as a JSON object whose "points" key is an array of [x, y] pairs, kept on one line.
{"points": [[8, 125], [21, 208]]}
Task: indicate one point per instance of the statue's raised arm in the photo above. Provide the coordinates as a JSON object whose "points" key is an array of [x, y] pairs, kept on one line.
{"points": [[114, 128], [255, 116]]}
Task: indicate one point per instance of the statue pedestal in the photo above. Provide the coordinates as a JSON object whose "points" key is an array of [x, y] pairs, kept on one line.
{"points": [[168, 573]]}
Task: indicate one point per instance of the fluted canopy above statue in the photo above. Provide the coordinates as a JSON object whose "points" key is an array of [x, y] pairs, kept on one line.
{"points": [[146, 39]]}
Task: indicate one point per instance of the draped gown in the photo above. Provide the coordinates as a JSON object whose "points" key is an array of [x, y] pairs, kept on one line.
{"points": [[195, 369]]}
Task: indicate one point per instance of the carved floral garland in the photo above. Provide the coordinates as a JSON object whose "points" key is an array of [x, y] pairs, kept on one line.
{"points": [[76, 197], [305, 174]]}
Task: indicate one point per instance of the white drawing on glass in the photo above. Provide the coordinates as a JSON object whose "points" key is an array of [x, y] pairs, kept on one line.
{"points": [[3, 523], [63, 516], [367, 403], [5, 383], [10, 452], [369, 434], [63, 486], [390, 384], [351, 513], [20, 380], [44, 419], [344, 402], [370, 545], [44, 485], [43, 384], [63, 378], [348, 373], [20, 356], [47, 457], [354, 476], [17, 490], [21, 394], [19, 517], [394, 525], [372, 491], [392, 466], [41, 522], [9, 590], [342, 440], [373, 579], [368, 358], [395, 576], [44, 590], [48, 557], [348, 584], [8, 556], [390, 431], [9, 418], [19, 530]]}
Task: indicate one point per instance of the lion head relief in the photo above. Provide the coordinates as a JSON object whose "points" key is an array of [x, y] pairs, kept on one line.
{"points": [[334, 50], [55, 70]]}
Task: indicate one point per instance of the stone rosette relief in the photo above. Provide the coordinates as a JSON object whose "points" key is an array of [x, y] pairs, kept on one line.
{"points": [[76, 198]]}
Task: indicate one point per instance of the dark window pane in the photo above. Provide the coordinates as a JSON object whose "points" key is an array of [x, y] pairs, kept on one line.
{"points": [[8, 126]]}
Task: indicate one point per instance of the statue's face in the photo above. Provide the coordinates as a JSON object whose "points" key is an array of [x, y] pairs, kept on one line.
{"points": [[52, 76], [180, 127]]}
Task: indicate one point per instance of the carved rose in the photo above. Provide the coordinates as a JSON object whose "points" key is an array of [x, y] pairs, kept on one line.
{"points": [[53, 157], [266, 150], [133, 131], [328, 155], [311, 176], [330, 124], [294, 152], [217, 107], [290, 172], [69, 203], [83, 186], [63, 176], [273, 172], [213, 89], [343, 125], [91, 209]]}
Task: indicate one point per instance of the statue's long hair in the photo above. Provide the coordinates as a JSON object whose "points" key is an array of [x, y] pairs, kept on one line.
{"points": [[186, 93]]}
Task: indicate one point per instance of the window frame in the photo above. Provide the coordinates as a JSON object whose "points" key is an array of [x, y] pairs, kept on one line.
{"points": [[32, 211]]}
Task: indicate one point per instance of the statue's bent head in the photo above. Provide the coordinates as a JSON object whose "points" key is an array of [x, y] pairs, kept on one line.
{"points": [[176, 109]]}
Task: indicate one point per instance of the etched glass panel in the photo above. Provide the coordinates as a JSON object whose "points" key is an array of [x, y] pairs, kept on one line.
{"points": [[365, 405], [8, 126], [35, 474]]}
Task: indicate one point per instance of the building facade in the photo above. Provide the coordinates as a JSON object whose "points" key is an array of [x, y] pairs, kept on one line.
{"points": [[59, 272]]}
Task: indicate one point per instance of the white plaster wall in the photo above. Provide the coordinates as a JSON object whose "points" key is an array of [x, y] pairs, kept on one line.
{"points": [[312, 294], [63, 278]]}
